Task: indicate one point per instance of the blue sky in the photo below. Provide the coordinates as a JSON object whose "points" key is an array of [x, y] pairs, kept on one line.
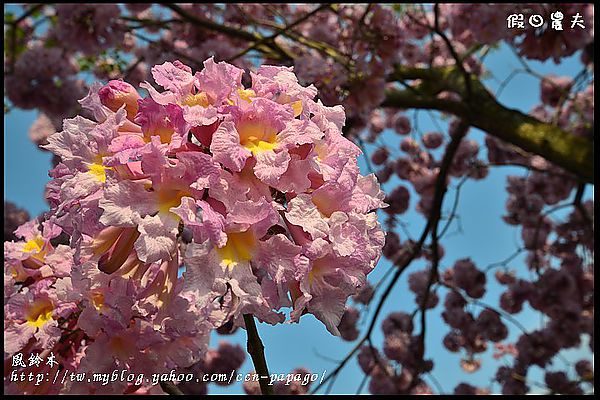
{"points": [[484, 238]]}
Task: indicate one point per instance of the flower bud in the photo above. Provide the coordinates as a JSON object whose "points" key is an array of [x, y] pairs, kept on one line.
{"points": [[116, 93]]}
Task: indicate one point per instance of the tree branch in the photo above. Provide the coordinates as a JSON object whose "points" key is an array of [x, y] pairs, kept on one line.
{"points": [[573, 153], [256, 350]]}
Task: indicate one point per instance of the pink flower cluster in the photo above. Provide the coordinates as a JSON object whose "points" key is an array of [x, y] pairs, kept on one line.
{"points": [[222, 360], [187, 209], [296, 382], [13, 218], [89, 28], [398, 370], [43, 78]]}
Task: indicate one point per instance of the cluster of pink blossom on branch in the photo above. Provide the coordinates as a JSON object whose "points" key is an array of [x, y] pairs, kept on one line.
{"points": [[254, 192]]}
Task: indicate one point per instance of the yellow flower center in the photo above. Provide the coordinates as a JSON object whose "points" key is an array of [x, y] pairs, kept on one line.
{"points": [[240, 247], [283, 98], [164, 132], [168, 198], [97, 298], [297, 107], [321, 150], [325, 206], [257, 137], [34, 245], [37, 249], [98, 171], [318, 269], [39, 313], [246, 94], [121, 347], [198, 99]]}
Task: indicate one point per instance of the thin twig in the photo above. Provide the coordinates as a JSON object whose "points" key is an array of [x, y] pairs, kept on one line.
{"points": [[361, 144], [504, 262], [434, 220], [267, 48], [436, 383], [457, 59], [454, 206], [279, 31]]}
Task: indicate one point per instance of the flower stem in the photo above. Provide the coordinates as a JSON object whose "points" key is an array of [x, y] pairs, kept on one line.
{"points": [[256, 350], [170, 388]]}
